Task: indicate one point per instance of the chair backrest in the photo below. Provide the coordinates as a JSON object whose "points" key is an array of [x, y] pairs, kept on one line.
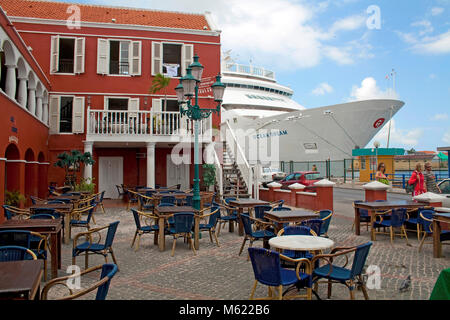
{"points": [[55, 202], [325, 215], [259, 211], [398, 217], [137, 219], [215, 216], [228, 199], [99, 197], [15, 253], [428, 215], [281, 209], [314, 224], [165, 191], [149, 193], [298, 231], [281, 203], [8, 213], [20, 238], [167, 199], [64, 200], [112, 228], [363, 212], [266, 266], [359, 259], [188, 200], [142, 200], [247, 222], [183, 222], [45, 211], [42, 216], [108, 270], [162, 204], [119, 190], [35, 200]]}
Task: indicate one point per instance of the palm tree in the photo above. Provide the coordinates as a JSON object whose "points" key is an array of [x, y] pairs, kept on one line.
{"points": [[71, 163], [159, 83]]}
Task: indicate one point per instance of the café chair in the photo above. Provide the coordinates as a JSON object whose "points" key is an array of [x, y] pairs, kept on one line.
{"points": [[268, 271], [91, 247], [426, 222], [397, 220], [230, 217], [132, 197], [77, 218], [108, 270], [325, 216], [11, 212], [16, 253], [300, 231], [145, 202], [364, 216], [340, 274], [281, 209], [183, 223], [140, 229], [167, 199], [314, 224], [36, 200], [413, 218], [277, 203], [98, 200], [212, 223], [251, 235], [120, 190], [41, 216]]}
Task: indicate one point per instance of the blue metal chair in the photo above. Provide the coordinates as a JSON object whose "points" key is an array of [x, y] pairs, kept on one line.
{"points": [[42, 216], [397, 220], [98, 200], [426, 221], [11, 212], [364, 216], [268, 271], [16, 253], [77, 220], [140, 230], [259, 211], [413, 219], [337, 274], [108, 270], [167, 199], [281, 209], [90, 247], [132, 197], [212, 223], [231, 216], [314, 224], [183, 222], [188, 201], [295, 230], [228, 199], [145, 202], [325, 215], [254, 235]]}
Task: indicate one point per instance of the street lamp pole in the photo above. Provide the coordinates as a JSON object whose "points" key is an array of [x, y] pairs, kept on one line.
{"points": [[186, 90]]}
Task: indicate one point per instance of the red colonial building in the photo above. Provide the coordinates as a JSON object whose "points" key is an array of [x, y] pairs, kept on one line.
{"points": [[78, 77]]}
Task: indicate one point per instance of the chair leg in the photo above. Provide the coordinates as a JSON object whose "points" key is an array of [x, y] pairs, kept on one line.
{"points": [[364, 289], [86, 260], [134, 238], [404, 233], [280, 292], [114, 258], [252, 294], [422, 242], [138, 242], [217, 240], [45, 269], [210, 236], [220, 226], [173, 245], [243, 244], [103, 208], [330, 284], [418, 232], [192, 244]]}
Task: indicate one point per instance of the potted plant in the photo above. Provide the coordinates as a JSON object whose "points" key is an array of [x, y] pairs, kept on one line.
{"points": [[85, 185], [71, 163], [14, 198], [209, 176]]}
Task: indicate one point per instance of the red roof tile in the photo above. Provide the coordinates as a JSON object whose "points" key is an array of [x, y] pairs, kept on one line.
{"points": [[96, 13]]}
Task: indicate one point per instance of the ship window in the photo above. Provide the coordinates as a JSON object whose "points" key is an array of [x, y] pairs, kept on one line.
{"points": [[119, 57], [65, 114], [66, 55], [172, 59]]}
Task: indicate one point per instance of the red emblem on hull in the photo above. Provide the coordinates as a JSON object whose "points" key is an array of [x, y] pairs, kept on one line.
{"points": [[378, 123]]}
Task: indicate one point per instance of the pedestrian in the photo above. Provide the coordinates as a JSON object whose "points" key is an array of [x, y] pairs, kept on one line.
{"points": [[380, 175], [417, 180], [314, 168], [430, 179]]}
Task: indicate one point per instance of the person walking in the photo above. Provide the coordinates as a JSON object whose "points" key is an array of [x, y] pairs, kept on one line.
{"points": [[380, 175], [314, 167], [418, 181], [430, 179]]}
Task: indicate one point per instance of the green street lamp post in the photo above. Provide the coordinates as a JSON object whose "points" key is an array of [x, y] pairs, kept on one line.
{"points": [[187, 90]]}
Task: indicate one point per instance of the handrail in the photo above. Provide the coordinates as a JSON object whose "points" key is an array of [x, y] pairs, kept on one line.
{"points": [[219, 173]]}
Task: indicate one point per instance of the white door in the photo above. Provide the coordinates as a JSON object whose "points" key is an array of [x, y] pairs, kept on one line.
{"points": [[177, 174], [110, 174]]}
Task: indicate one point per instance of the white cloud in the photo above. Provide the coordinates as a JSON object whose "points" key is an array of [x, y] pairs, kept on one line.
{"points": [[322, 89], [440, 116], [425, 25], [446, 138], [349, 23], [398, 137], [434, 45], [370, 90], [435, 11]]}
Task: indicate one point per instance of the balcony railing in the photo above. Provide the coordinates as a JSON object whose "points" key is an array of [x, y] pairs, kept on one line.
{"points": [[143, 123], [248, 70]]}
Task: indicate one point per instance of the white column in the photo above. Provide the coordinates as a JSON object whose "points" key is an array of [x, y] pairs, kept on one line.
{"points": [[22, 97], [39, 107], [150, 165], [10, 86], [32, 100], [88, 147], [45, 112]]}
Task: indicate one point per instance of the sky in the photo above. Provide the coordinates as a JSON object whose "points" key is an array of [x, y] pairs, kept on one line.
{"points": [[335, 51]]}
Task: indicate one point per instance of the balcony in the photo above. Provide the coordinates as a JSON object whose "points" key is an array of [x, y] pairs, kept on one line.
{"points": [[143, 126]]}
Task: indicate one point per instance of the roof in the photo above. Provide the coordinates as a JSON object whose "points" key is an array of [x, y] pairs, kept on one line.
{"points": [[419, 157], [442, 156], [104, 14], [380, 152]]}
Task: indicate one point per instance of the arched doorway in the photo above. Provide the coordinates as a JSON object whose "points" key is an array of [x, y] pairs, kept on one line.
{"points": [[42, 176], [30, 175], [12, 168]]}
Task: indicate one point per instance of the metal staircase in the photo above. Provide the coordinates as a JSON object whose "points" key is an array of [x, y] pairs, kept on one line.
{"points": [[233, 182]]}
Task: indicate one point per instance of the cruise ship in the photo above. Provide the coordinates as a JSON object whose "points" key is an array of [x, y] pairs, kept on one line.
{"points": [[261, 108]]}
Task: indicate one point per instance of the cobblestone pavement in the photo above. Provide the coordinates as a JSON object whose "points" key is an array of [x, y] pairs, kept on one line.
{"points": [[220, 273]]}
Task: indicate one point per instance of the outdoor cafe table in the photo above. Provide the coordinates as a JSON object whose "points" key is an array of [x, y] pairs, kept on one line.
{"points": [[51, 227], [164, 213], [20, 279], [179, 196], [437, 219], [373, 207], [241, 204], [301, 243], [72, 198], [281, 217], [63, 208]]}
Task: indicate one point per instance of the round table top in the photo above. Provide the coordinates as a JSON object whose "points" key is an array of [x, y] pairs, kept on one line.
{"points": [[301, 243]]}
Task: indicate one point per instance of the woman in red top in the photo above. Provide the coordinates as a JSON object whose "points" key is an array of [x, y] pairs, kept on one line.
{"points": [[417, 179]]}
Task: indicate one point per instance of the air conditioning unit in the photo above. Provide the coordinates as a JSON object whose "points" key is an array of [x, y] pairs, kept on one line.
{"points": [[141, 155]]}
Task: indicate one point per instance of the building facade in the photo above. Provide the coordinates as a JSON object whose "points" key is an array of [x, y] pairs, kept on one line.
{"points": [[100, 62]]}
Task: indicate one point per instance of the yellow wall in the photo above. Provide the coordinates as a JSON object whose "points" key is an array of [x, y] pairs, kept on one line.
{"points": [[364, 174]]}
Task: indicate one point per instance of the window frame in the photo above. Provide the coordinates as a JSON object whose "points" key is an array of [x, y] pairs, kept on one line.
{"points": [[74, 56], [181, 45], [59, 112]]}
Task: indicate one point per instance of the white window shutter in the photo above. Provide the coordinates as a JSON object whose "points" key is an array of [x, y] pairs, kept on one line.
{"points": [[54, 114], [80, 44], [102, 56], [156, 105], [54, 59], [133, 105], [78, 115], [135, 58], [156, 58], [187, 57]]}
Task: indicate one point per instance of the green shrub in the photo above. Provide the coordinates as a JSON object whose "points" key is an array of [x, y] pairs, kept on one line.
{"points": [[14, 198], [85, 185]]}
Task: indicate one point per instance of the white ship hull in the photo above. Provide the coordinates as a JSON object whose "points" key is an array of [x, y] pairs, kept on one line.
{"points": [[316, 134]]}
